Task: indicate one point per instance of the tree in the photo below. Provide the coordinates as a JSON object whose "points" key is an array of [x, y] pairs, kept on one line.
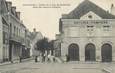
{"points": [[42, 45], [51, 46]]}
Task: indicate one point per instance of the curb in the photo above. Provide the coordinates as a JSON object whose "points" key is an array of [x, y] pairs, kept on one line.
{"points": [[15, 62]]}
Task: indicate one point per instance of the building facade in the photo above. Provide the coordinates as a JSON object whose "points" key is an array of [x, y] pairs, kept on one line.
{"points": [[36, 36], [26, 50], [57, 46], [87, 33], [14, 36], [4, 32]]}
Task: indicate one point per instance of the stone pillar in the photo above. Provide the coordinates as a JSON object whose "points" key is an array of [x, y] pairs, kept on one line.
{"points": [[12, 54], [82, 53], [98, 55], [20, 52], [64, 51], [98, 51], [113, 53], [1, 39]]}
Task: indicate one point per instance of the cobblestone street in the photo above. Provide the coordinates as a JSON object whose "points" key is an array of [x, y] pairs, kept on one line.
{"points": [[71, 67]]}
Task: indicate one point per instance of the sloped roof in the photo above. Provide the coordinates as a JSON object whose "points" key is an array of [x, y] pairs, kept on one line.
{"points": [[85, 7], [35, 34]]}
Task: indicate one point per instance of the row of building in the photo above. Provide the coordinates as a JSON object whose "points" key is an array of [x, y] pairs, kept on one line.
{"points": [[15, 38]]}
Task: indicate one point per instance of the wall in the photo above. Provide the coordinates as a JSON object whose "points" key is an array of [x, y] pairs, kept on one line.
{"points": [[1, 39], [98, 36]]}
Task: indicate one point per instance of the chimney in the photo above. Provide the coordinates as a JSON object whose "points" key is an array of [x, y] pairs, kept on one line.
{"points": [[9, 4], [112, 9], [112, 5], [18, 15], [14, 10], [34, 29]]}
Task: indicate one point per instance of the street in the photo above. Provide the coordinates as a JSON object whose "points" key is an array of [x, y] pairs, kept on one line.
{"points": [[71, 67]]}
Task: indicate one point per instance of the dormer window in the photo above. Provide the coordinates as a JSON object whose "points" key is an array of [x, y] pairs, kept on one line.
{"points": [[12, 12]]}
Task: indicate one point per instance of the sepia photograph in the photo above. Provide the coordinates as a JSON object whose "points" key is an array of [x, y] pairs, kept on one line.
{"points": [[57, 36]]}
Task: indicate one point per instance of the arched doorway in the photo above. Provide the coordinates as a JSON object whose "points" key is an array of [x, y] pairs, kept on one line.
{"points": [[106, 52], [73, 52], [90, 52]]}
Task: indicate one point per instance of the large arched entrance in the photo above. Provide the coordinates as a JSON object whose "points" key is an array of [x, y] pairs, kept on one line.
{"points": [[90, 52], [106, 52], [73, 52]]}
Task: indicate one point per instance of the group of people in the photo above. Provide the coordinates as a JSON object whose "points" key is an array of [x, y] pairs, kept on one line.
{"points": [[45, 58]]}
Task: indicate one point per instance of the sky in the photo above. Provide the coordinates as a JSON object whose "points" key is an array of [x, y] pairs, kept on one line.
{"points": [[46, 20]]}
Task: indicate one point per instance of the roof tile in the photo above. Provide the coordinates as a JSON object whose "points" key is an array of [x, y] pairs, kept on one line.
{"points": [[84, 8]]}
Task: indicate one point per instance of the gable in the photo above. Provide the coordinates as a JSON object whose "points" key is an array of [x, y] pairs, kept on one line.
{"points": [[90, 16], [85, 7]]}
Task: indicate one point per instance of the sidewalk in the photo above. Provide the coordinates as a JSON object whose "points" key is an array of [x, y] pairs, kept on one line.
{"points": [[59, 60], [14, 62], [5, 63]]}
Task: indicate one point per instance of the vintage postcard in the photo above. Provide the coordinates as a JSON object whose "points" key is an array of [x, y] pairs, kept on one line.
{"points": [[57, 36]]}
